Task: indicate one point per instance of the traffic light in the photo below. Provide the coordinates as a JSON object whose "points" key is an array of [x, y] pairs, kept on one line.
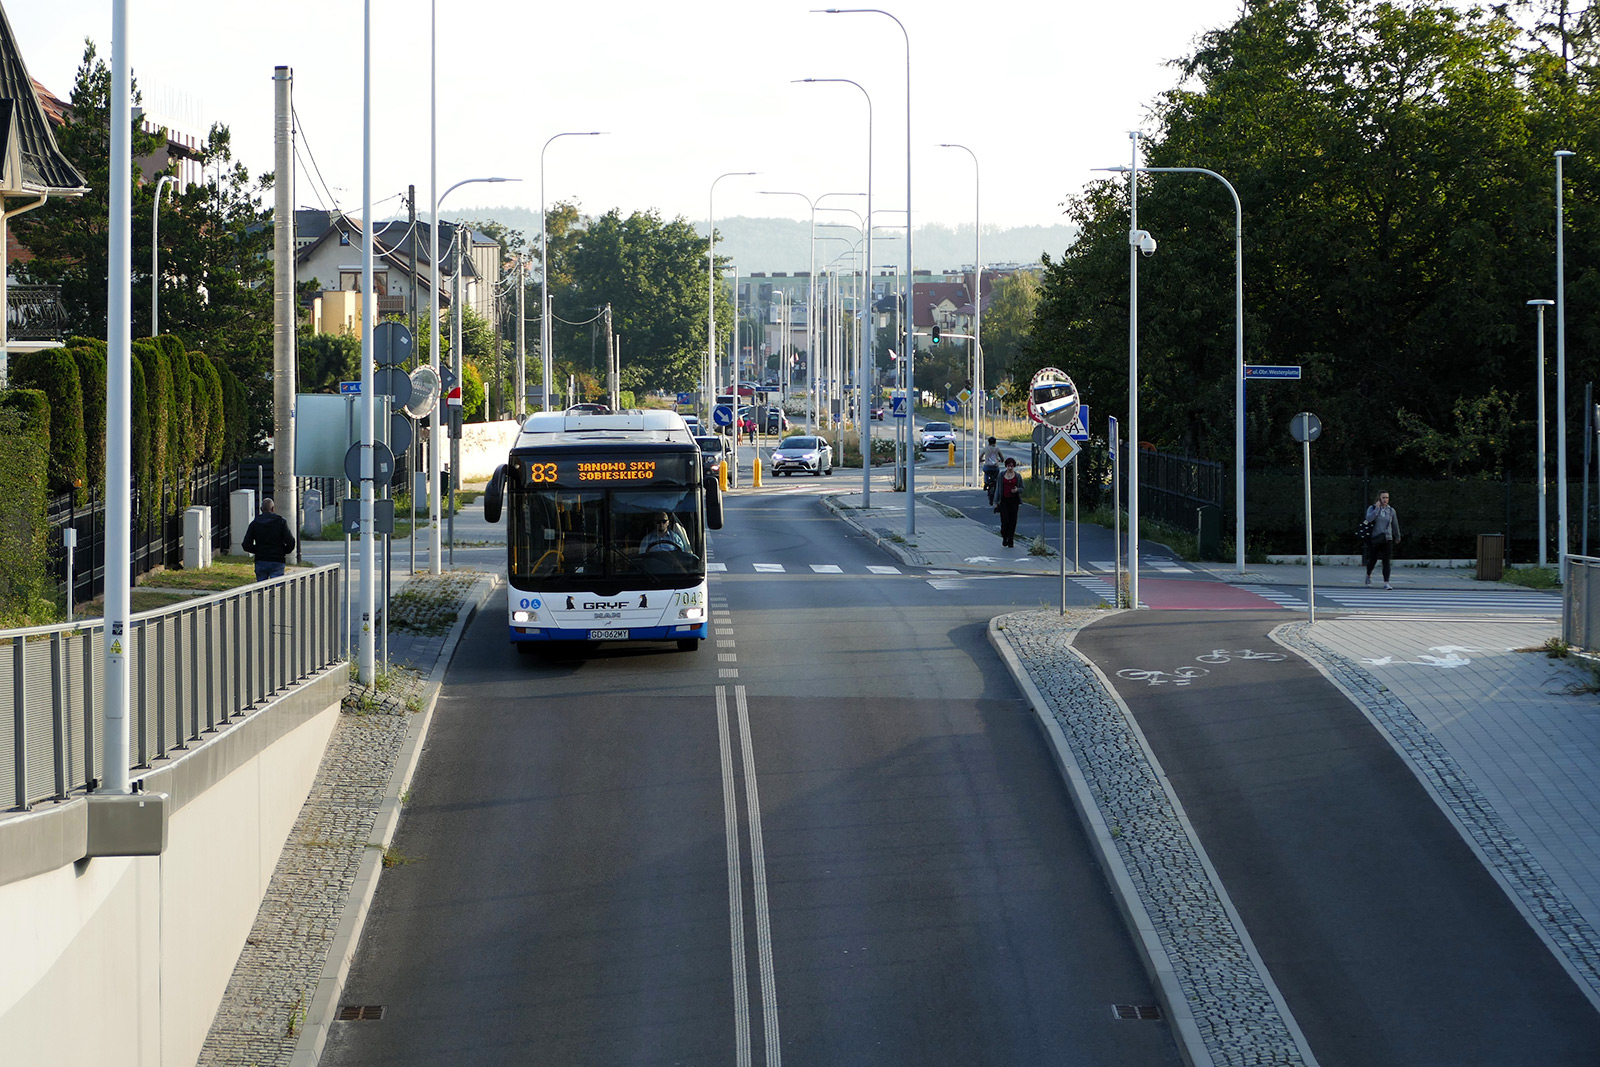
{"points": [[936, 335]]}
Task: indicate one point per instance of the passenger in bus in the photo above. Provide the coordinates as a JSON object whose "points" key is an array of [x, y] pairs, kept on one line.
{"points": [[664, 535]]}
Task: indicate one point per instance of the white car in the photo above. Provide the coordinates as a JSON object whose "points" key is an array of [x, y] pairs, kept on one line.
{"points": [[938, 435], [810, 455]]}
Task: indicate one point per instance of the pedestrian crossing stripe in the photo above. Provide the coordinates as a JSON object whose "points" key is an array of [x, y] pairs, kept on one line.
{"points": [[768, 568], [827, 568], [1277, 595], [883, 570]]}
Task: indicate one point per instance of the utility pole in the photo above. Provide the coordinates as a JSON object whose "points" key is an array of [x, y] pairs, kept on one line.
{"points": [[611, 359], [283, 339], [522, 341]]}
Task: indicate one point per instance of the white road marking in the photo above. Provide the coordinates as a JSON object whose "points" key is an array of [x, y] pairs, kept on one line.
{"points": [[827, 568], [883, 570], [730, 830], [727, 657], [758, 867], [727, 672], [768, 568], [711, 567]]}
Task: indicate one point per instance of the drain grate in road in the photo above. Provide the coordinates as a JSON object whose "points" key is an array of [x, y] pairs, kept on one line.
{"points": [[1146, 1012], [360, 1012]]}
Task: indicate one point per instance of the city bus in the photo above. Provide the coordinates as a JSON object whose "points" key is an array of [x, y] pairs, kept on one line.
{"points": [[606, 520]]}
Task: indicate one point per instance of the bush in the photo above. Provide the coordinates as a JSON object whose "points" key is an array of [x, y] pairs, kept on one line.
{"points": [[54, 373], [27, 593]]}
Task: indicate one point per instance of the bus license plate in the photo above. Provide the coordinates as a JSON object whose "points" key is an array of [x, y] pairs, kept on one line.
{"points": [[608, 635]]}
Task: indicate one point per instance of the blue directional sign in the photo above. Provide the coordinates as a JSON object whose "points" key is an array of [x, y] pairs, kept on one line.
{"points": [[952, 407], [350, 388], [722, 415], [1263, 370], [685, 398]]}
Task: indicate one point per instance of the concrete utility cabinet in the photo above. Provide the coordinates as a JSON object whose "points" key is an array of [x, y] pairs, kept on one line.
{"points": [[196, 538], [241, 512], [311, 514]]}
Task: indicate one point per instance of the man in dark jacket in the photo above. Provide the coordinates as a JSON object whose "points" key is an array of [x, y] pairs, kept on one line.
{"points": [[270, 540]]}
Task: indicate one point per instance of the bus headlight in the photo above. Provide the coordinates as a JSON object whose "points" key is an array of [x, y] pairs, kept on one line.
{"points": [[692, 613], [522, 616]]}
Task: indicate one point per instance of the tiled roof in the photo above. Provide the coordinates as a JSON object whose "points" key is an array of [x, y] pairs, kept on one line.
{"points": [[44, 168]]}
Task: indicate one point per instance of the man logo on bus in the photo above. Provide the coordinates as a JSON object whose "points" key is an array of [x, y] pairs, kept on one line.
{"points": [[570, 605]]}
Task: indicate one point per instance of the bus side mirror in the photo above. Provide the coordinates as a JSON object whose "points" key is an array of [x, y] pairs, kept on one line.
{"points": [[494, 494], [713, 502]]}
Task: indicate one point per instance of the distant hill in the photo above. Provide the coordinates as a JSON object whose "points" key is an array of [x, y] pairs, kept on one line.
{"points": [[779, 244]]}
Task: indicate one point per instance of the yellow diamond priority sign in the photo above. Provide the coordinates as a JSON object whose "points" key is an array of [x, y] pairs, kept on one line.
{"points": [[1062, 449]]}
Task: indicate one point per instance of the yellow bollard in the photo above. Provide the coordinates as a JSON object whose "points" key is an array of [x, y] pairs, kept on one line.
{"points": [[722, 474], [755, 467], [952, 462]]}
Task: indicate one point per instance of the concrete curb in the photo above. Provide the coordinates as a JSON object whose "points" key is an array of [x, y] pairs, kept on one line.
{"points": [[898, 549], [1175, 998], [341, 953]]}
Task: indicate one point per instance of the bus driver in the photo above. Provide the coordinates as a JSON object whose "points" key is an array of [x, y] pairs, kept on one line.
{"points": [[664, 536]]}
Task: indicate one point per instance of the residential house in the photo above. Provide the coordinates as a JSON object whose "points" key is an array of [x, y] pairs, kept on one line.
{"points": [[32, 170], [328, 252]]}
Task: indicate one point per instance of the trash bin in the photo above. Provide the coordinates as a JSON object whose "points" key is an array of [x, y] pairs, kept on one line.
{"points": [[1208, 523], [1491, 557]]}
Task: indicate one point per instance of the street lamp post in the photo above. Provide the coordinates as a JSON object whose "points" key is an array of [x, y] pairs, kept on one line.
{"points": [[436, 430], [1134, 240], [1540, 478], [1561, 372], [155, 250], [909, 355], [977, 309], [1238, 347], [864, 344], [710, 385], [546, 363]]}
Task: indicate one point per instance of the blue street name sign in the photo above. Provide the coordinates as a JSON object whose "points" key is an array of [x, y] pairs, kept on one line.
{"points": [[1262, 370], [350, 388]]}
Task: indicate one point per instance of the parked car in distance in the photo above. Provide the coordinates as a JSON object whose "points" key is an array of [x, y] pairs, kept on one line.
{"points": [[809, 455], [693, 422], [712, 453], [937, 435]]}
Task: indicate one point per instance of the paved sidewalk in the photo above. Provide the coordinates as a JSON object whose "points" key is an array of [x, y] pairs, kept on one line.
{"points": [[284, 991]]}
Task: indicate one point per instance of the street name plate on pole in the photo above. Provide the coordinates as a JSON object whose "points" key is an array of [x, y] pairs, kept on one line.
{"points": [[350, 388], [1263, 370]]}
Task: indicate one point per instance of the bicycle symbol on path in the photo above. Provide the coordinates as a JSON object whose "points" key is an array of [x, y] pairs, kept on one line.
{"points": [[1186, 674]]}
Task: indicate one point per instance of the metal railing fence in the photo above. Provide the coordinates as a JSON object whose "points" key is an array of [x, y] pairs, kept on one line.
{"points": [[1580, 603], [192, 668]]}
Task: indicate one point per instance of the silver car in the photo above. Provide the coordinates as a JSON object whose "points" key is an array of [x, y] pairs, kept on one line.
{"points": [[809, 455]]}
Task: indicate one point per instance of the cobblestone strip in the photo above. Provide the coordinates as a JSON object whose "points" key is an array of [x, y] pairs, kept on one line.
{"points": [[264, 1008], [1236, 1011], [1540, 899]]}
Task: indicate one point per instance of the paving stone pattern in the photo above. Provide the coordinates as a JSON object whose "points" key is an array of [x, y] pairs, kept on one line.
{"points": [[1540, 897], [1238, 1017], [258, 1022]]}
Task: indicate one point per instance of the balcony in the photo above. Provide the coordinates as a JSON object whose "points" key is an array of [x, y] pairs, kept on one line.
{"points": [[34, 313]]}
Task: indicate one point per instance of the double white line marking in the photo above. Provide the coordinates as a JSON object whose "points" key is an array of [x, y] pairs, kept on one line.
{"points": [[758, 867]]}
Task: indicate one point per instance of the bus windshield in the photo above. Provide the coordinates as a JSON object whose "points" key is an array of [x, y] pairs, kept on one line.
{"points": [[644, 536]]}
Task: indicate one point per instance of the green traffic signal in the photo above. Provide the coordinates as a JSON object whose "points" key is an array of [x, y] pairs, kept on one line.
{"points": [[936, 335]]}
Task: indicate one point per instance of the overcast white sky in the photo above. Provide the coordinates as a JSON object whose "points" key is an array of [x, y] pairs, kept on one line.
{"points": [[1040, 90]]}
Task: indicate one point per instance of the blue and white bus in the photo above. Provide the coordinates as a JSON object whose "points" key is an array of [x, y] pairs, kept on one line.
{"points": [[606, 529]]}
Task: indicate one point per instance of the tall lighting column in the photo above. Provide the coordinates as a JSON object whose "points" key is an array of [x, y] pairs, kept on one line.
{"points": [[1561, 372], [909, 355], [977, 310], [436, 429], [710, 385], [1542, 479], [864, 344], [546, 363]]}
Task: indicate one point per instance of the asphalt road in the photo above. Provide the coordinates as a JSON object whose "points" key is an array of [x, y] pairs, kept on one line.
{"points": [[830, 835], [1390, 942]]}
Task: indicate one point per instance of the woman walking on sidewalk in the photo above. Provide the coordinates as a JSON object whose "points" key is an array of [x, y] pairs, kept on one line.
{"points": [[1385, 535], [1010, 493]]}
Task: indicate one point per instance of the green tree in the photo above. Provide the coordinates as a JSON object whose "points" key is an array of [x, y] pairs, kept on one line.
{"points": [[653, 274], [1393, 164], [1008, 323]]}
